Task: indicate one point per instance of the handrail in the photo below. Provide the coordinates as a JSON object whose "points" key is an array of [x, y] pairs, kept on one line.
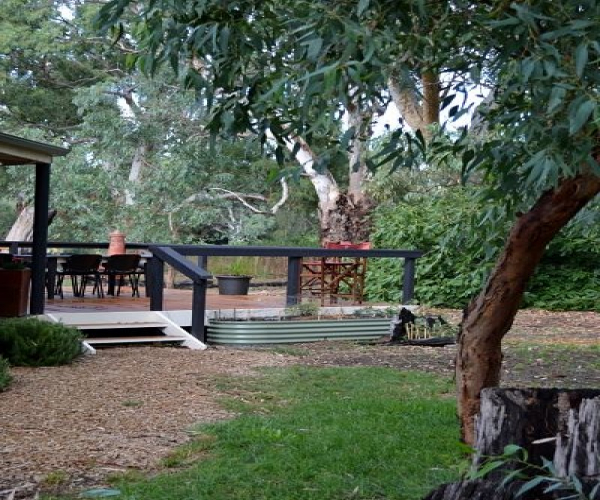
{"points": [[259, 251], [198, 275]]}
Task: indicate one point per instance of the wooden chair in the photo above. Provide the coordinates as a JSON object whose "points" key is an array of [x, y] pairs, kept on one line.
{"points": [[81, 268], [335, 278]]}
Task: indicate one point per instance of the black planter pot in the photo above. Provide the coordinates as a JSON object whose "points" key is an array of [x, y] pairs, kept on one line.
{"points": [[234, 285]]}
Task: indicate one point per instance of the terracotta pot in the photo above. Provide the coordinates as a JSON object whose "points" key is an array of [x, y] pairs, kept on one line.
{"points": [[116, 244], [14, 292]]}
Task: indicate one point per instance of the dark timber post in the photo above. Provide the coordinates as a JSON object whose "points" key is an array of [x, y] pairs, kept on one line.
{"points": [[198, 329], [293, 281], [203, 261], [408, 280], [156, 280], [40, 237]]}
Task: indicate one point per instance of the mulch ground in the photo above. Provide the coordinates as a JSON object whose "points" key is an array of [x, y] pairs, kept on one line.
{"points": [[124, 409]]}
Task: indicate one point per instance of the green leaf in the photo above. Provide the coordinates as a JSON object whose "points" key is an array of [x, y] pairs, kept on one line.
{"points": [[512, 450], [580, 116], [362, 6], [487, 468], [529, 485], [314, 48], [581, 58], [557, 96]]}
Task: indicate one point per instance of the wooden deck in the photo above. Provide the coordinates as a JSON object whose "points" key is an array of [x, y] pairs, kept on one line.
{"points": [[174, 299]]}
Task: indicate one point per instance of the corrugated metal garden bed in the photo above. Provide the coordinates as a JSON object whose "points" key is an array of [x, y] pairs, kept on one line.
{"points": [[280, 331]]}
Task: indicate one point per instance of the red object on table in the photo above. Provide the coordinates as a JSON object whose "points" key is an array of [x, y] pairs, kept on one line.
{"points": [[116, 243]]}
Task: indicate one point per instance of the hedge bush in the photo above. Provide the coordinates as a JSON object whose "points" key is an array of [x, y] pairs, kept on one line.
{"points": [[5, 377], [461, 246], [34, 342]]}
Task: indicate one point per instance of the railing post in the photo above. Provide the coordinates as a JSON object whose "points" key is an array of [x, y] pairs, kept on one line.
{"points": [[40, 239], [293, 281], [408, 280], [198, 329], [14, 247], [156, 281]]}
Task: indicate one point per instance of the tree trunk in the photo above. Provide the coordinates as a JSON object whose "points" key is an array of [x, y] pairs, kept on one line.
{"points": [[342, 216], [136, 171], [22, 228], [490, 315], [418, 113], [538, 420], [345, 219]]}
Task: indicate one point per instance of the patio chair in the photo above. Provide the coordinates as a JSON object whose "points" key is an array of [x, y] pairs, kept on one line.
{"points": [[336, 278], [81, 268], [118, 268]]}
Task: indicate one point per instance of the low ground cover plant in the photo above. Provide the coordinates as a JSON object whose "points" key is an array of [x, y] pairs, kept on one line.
{"points": [[5, 377], [315, 433], [34, 342]]}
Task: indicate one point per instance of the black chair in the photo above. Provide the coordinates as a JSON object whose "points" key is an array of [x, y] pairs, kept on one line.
{"points": [[81, 268], [119, 267]]}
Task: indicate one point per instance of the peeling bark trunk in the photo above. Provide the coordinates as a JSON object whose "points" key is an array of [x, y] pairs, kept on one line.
{"points": [[490, 315], [136, 170], [541, 421], [346, 220], [22, 228], [341, 217], [431, 100], [418, 114]]}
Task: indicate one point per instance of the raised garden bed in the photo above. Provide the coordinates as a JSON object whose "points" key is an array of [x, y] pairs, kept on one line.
{"points": [[304, 325], [281, 331]]}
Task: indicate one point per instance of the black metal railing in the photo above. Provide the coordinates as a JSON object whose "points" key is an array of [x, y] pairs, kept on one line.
{"points": [[175, 255]]}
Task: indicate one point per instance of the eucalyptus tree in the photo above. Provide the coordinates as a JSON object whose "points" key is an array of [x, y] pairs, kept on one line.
{"points": [[60, 81], [258, 60], [540, 60]]}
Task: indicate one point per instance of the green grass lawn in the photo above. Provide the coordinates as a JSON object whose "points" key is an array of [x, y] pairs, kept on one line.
{"points": [[314, 433]]}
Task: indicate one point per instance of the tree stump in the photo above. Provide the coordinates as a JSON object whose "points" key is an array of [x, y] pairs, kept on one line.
{"points": [[561, 425]]}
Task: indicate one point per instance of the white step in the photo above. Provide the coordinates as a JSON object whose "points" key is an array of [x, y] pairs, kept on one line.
{"points": [[127, 320], [128, 340], [120, 325]]}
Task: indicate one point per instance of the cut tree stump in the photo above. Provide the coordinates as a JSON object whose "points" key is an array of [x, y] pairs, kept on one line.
{"points": [[561, 425]]}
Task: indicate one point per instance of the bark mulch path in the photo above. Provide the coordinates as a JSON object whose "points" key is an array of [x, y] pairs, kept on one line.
{"points": [[126, 408]]}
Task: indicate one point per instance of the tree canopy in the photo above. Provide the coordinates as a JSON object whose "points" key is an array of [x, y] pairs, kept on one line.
{"points": [[292, 67]]}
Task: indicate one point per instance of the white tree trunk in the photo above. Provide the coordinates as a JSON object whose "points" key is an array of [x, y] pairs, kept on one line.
{"points": [[135, 172], [22, 228]]}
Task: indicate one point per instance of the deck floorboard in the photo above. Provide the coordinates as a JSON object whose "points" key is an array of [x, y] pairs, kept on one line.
{"points": [[174, 299]]}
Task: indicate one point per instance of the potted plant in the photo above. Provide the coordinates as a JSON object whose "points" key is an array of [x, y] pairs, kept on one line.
{"points": [[237, 279], [14, 288]]}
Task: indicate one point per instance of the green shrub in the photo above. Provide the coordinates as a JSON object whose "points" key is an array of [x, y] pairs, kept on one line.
{"points": [[462, 236], [33, 342], [5, 377]]}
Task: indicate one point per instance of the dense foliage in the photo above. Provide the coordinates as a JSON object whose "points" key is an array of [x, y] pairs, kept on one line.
{"points": [[5, 377], [461, 246], [34, 342]]}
